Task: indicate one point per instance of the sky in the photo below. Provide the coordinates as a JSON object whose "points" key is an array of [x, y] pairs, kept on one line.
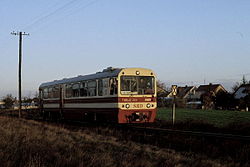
{"points": [[185, 42]]}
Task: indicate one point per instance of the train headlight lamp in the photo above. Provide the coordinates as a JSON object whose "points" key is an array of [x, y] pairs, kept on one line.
{"points": [[148, 105], [137, 72], [127, 106]]}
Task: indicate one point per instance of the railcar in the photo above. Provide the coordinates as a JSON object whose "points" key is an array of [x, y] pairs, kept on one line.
{"points": [[122, 95]]}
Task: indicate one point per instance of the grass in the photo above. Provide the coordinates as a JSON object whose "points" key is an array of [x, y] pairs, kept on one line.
{"points": [[29, 143], [217, 118]]}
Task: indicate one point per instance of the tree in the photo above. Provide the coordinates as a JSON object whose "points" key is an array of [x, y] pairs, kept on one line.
{"points": [[36, 95], [161, 89], [162, 92], [27, 100], [9, 101], [238, 84], [244, 81], [224, 100]]}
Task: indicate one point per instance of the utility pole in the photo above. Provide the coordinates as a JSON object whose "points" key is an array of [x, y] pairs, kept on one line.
{"points": [[20, 70]]}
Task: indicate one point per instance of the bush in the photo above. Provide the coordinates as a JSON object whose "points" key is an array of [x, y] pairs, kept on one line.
{"points": [[9, 101]]}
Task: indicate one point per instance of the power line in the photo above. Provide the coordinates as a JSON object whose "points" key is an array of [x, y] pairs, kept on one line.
{"points": [[50, 14], [70, 13], [83, 7], [34, 19]]}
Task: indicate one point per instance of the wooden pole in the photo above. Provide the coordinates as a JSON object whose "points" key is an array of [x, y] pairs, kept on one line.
{"points": [[19, 70], [173, 111], [20, 75]]}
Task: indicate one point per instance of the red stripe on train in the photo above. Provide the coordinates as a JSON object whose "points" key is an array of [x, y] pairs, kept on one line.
{"points": [[105, 100]]}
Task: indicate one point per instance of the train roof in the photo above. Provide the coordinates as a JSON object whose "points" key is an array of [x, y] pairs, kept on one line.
{"points": [[109, 72]]}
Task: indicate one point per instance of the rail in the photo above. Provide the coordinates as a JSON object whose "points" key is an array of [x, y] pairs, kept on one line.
{"points": [[193, 133]]}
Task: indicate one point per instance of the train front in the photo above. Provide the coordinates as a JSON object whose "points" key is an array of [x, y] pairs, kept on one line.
{"points": [[137, 95]]}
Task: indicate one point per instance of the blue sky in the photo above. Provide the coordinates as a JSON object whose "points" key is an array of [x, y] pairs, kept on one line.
{"points": [[184, 42]]}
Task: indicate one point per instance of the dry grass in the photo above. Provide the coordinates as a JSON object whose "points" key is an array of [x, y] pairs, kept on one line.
{"points": [[29, 143]]}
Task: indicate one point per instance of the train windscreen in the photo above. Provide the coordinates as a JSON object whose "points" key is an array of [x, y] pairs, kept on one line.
{"points": [[139, 85]]}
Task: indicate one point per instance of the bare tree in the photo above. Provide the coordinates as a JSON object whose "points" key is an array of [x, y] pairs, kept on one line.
{"points": [[161, 89], [36, 95], [238, 84], [244, 81]]}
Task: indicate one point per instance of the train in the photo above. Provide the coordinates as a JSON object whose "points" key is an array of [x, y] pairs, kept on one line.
{"points": [[119, 95]]}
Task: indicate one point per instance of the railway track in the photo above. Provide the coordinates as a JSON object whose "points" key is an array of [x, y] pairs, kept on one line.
{"points": [[193, 133], [145, 128]]}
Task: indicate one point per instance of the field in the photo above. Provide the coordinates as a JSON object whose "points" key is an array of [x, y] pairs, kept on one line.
{"points": [[217, 118], [30, 143]]}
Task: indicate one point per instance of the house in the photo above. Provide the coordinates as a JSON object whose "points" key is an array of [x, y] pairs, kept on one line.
{"points": [[183, 92], [183, 95], [242, 91], [186, 92], [2, 105], [186, 96], [208, 93], [242, 97], [214, 89]]}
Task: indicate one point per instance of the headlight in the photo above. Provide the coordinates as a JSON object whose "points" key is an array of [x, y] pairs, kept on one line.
{"points": [[127, 106], [148, 105]]}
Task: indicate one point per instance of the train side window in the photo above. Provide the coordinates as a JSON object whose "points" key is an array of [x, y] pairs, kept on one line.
{"points": [[105, 90], [41, 94], [100, 87], [45, 93], [83, 89], [76, 90], [50, 92], [113, 86], [92, 88], [69, 91], [56, 92]]}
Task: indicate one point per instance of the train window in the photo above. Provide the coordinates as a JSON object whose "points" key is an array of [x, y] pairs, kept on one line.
{"points": [[45, 93], [50, 92], [113, 86], [145, 85], [129, 85], [83, 89], [105, 90], [55, 91], [69, 91], [92, 88], [141, 85], [76, 90], [41, 94], [100, 87]]}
